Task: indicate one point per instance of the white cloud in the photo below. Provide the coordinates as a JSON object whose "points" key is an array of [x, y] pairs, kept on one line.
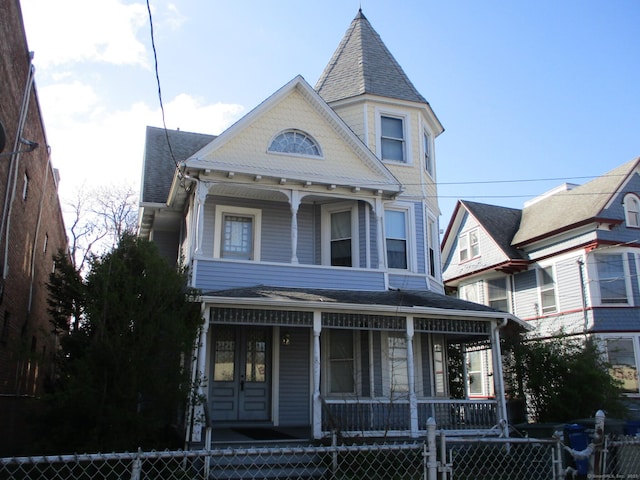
{"points": [[93, 145], [72, 31]]}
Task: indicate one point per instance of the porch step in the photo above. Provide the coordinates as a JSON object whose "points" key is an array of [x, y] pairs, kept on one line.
{"points": [[268, 463]]}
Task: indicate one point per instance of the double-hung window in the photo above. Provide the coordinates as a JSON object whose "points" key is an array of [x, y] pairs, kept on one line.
{"points": [[341, 359], [392, 139], [433, 245], [237, 233], [497, 293], [340, 234], [341, 239], [611, 278], [428, 158], [396, 233], [398, 366], [469, 245], [547, 286], [632, 210]]}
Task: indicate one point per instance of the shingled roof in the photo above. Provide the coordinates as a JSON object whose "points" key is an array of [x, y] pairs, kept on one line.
{"points": [[572, 207], [159, 164], [362, 64], [501, 223]]}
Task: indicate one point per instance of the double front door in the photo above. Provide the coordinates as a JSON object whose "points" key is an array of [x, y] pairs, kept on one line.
{"points": [[241, 387]]}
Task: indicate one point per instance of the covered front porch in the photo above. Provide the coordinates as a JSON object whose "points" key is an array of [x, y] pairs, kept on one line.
{"points": [[358, 364]]}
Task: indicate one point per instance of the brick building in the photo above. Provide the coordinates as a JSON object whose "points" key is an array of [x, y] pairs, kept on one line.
{"points": [[31, 232]]}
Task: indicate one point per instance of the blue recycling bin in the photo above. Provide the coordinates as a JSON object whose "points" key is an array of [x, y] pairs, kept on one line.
{"points": [[632, 427], [576, 437]]}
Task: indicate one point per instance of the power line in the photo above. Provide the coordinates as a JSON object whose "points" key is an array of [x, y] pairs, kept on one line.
{"points": [[155, 58]]}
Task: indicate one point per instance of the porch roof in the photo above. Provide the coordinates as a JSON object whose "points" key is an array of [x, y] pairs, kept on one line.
{"points": [[408, 302]]}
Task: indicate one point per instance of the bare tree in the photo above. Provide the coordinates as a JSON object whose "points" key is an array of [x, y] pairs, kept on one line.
{"points": [[96, 219]]}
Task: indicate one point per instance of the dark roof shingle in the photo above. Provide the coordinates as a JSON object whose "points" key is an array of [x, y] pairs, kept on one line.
{"points": [[362, 64], [159, 165]]}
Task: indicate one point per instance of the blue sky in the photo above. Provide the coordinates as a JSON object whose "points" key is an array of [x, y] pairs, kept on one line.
{"points": [[525, 90]]}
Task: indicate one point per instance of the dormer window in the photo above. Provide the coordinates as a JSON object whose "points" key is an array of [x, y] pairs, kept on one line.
{"points": [[295, 142], [632, 210]]}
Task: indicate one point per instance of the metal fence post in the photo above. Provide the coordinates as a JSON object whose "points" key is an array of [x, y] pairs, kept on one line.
{"points": [[598, 440], [136, 467], [432, 461]]}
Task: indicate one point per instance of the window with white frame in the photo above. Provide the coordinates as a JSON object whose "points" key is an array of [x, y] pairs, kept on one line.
{"points": [[341, 359], [395, 222], [392, 139], [475, 376], [340, 234], [237, 233], [341, 241], [632, 210], [611, 278], [428, 158], [439, 366], [469, 245], [547, 286], [295, 142], [433, 245], [497, 294], [469, 292], [621, 355], [397, 363]]}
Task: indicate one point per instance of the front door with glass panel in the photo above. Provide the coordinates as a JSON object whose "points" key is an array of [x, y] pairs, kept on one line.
{"points": [[241, 374]]}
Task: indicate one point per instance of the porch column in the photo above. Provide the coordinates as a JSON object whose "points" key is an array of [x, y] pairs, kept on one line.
{"points": [[413, 401], [201, 197], [379, 233], [295, 203], [498, 377], [198, 409], [317, 401]]}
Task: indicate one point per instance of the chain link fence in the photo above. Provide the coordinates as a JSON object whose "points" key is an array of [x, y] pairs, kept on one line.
{"points": [[439, 457]]}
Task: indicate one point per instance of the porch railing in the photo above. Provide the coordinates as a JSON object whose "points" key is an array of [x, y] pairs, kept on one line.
{"points": [[393, 416]]}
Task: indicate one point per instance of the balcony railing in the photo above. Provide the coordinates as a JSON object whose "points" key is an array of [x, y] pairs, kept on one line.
{"points": [[374, 417]]}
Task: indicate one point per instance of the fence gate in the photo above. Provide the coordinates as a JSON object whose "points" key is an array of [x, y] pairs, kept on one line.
{"points": [[500, 458]]}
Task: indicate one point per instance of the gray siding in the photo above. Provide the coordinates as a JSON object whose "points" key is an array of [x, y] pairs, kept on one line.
{"points": [[211, 275], [307, 240], [421, 235], [294, 387], [408, 282], [526, 294], [569, 290], [426, 365], [377, 364], [365, 373]]}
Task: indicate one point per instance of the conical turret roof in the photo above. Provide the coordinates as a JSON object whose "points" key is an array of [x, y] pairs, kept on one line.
{"points": [[362, 64]]}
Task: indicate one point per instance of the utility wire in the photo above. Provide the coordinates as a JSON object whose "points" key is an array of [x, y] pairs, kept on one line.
{"points": [[155, 58]]}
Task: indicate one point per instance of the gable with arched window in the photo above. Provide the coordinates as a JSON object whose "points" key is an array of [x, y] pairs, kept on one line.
{"points": [[295, 142], [632, 210]]}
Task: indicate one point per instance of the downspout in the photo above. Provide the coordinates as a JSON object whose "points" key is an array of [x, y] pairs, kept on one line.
{"points": [[582, 296], [13, 169]]}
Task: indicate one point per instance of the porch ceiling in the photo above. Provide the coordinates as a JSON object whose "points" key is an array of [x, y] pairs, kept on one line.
{"points": [[406, 302]]}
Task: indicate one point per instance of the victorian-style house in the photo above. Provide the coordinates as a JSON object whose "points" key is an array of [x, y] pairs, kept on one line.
{"points": [[311, 228]]}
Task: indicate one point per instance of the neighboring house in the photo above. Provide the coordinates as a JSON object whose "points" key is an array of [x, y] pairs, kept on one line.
{"points": [[31, 232], [569, 261], [311, 228]]}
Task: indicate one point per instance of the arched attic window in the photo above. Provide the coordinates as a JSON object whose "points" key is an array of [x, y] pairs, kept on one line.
{"points": [[295, 142], [632, 210]]}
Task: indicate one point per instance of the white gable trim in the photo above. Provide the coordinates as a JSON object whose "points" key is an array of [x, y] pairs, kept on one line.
{"points": [[390, 182]]}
